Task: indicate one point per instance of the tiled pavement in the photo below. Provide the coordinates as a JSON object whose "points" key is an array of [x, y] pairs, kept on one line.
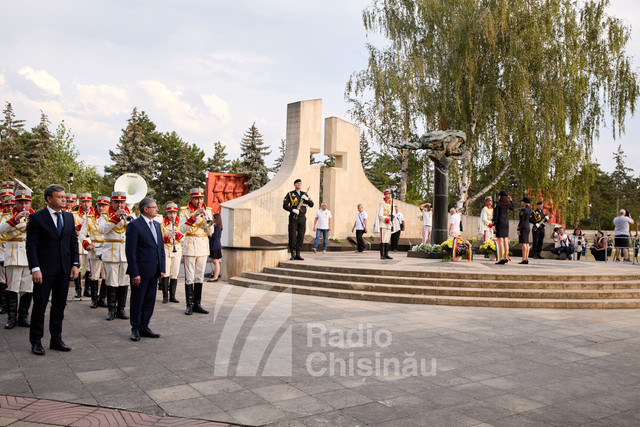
{"points": [[501, 367]]}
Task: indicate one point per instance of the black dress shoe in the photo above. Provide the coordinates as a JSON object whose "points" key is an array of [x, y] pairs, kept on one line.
{"points": [[135, 334], [58, 345], [148, 333], [37, 349]]}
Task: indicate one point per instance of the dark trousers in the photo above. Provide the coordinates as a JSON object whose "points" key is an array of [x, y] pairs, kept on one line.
{"points": [[360, 240], [143, 300], [297, 227], [57, 286], [538, 237], [395, 238]]}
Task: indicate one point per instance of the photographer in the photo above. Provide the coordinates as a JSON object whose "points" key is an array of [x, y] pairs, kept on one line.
{"points": [[621, 233], [563, 248], [579, 243], [599, 249]]}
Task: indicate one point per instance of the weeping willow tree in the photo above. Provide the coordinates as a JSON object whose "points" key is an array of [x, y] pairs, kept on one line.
{"points": [[530, 82]]}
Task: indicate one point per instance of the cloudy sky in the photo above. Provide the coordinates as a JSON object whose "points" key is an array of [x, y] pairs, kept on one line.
{"points": [[206, 69]]}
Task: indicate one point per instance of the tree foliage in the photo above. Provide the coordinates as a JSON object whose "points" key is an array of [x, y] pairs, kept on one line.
{"points": [[530, 81], [253, 154], [218, 162]]}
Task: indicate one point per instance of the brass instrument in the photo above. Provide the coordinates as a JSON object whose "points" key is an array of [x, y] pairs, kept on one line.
{"points": [[205, 216]]}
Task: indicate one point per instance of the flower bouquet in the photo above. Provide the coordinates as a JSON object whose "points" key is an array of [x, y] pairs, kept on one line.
{"points": [[426, 251], [457, 247], [489, 247]]}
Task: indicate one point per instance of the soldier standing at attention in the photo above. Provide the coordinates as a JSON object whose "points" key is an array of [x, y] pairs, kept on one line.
{"points": [[385, 222], [92, 241], [79, 218], [196, 222], [7, 201], [539, 218], [172, 252], [294, 202], [113, 226], [16, 264]]}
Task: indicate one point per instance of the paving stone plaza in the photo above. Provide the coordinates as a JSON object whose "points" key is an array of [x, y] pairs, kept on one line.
{"points": [[276, 358]]}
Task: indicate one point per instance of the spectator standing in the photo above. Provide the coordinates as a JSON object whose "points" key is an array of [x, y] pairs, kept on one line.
{"points": [[427, 222], [322, 225], [621, 233], [578, 242], [395, 236], [501, 224], [360, 226], [523, 229], [215, 246], [454, 222]]}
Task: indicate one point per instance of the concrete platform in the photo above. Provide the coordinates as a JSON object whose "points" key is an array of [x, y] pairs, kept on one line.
{"points": [[458, 366]]}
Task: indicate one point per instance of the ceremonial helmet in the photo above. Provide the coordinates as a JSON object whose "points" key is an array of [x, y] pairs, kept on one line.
{"points": [[9, 199], [196, 192], [23, 194], [85, 197], [103, 200], [170, 207], [72, 197], [119, 196]]}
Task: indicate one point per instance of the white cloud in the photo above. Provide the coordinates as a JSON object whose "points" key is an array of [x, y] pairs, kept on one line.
{"points": [[179, 112], [42, 79], [2, 80], [218, 107], [103, 99]]}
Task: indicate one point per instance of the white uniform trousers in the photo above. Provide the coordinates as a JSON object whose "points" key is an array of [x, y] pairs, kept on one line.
{"points": [[19, 278], [194, 268], [116, 273], [426, 234], [172, 264], [82, 258], [385, 235], [96, 267]]}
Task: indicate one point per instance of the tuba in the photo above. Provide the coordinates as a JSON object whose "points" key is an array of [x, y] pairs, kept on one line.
{"points": [[136, 188]]}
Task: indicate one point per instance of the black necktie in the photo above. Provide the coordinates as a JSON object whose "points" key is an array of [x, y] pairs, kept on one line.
{"points": [[59, 223]]}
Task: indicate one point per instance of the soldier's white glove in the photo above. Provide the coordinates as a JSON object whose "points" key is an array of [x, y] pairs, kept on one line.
{"points": [[305, 197], [296, 211]]}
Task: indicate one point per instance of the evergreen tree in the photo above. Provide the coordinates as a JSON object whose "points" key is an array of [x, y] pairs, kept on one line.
{"points": [[11, 150], [37, 145], [253, 154], [218, 162], [620, 176], [236, 166], [134, 152], [281, 149]]}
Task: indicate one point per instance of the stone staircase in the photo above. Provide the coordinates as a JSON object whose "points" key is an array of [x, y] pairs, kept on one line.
{"points": [[449, 288]]}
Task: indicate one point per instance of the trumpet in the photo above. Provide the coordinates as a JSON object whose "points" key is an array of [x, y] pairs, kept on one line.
{"points": [[205, 216]]}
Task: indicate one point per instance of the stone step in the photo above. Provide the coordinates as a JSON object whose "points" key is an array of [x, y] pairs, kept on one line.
{"points": [[463, 275], [390, 287], [429, 280], [440, 300]]}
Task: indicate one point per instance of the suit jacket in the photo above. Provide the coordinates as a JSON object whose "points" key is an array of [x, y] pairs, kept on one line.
{"points": [[45, 249], [145, 258]]}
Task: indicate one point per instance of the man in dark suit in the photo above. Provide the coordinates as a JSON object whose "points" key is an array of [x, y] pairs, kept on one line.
{"points": [[145, 265], [52, 251]]}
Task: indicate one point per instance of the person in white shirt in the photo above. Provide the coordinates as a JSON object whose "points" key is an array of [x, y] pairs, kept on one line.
{"points": [[427, 222], [454, 222], [360, 225], [322, 225], [621, 235], [395, 236]]}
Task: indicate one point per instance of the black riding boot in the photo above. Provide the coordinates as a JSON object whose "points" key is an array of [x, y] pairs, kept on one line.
{"points": [[87, 284], [93, 288], [23, 309], [382, 251], [188, 291], [12, 309], [173, 284], [293, 255], [111, 301], [298, 257], [197, 299], [102, 294], [386, 251], [164, 285], [78, 283], [121, 297], [3, 298]]}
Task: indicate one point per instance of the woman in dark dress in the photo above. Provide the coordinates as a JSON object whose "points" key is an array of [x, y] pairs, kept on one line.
{"points": [[215, 247], [523, 229], [501, 223]]}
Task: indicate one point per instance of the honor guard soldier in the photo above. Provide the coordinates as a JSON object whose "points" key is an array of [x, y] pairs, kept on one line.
{"points": [[172, 237], [294, 202], [385, 223], [196, 223], [16, 263], [72, 202], [92, 241], [79, 218], [7, 201], [113, 226]]}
